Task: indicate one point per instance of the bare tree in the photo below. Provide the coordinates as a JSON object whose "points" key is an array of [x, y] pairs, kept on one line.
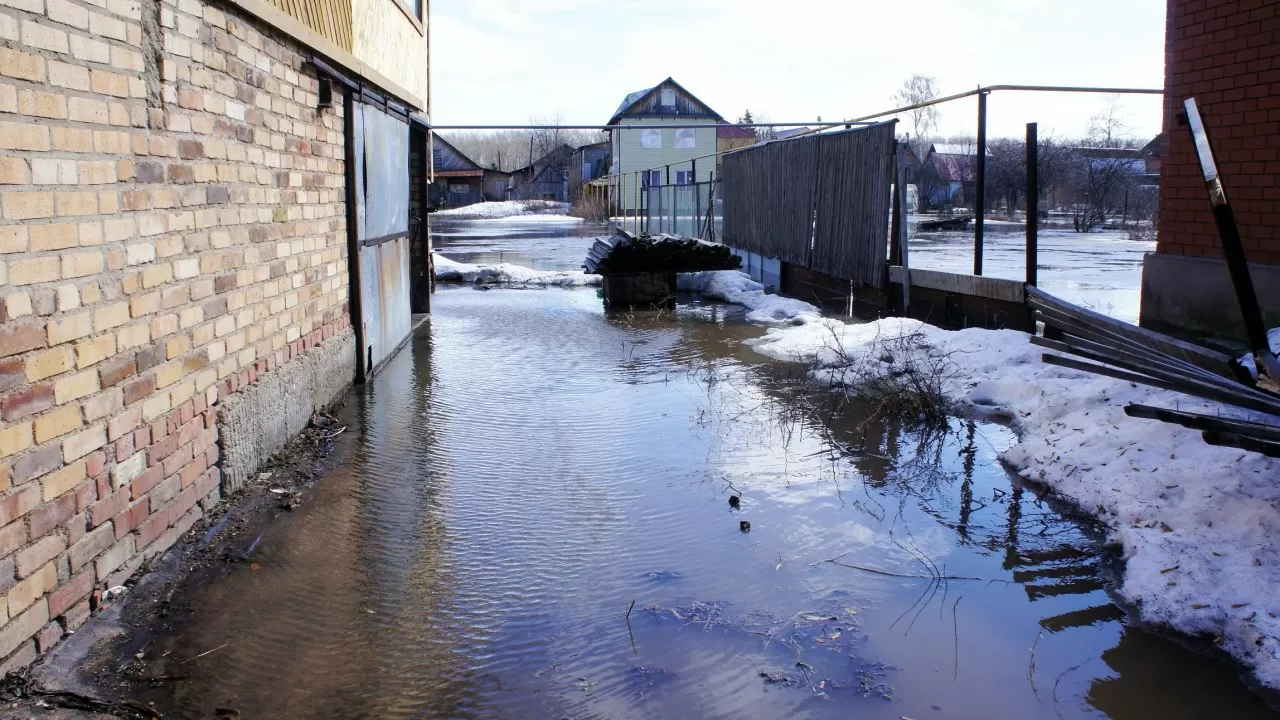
{"points": [[1098, 188], [924, 120], [1108, 127], [762, 133]]}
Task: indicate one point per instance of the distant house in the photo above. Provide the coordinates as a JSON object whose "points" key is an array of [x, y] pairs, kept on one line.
{"points": [[792, 132], [665, 152], [731, 138], [589, 163], [1152, 153], [546, 179], [948, 176], [459, 180], [497, 184]]}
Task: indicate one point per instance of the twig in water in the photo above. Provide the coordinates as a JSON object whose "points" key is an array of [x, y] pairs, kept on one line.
{"points": [[206, 652], [633, 604], [955, 632], [836, 561], [1073, 668], [1031, 669]]}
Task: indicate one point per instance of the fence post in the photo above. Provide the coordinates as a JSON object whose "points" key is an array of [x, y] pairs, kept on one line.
{"points": [[1033, 202], [900, 226], [980, 212], [697, 200]]}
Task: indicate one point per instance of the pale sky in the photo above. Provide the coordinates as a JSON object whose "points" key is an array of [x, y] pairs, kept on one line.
{"points": [[509, 61]]}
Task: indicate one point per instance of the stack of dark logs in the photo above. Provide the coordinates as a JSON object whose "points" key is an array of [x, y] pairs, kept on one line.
{"points": [[641, 271]]}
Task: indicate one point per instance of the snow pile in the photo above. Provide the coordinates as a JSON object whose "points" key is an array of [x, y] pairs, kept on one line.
{"points": [[738, 288], [506, 273], [1273, 338], [1199, 525], [505, 208]]}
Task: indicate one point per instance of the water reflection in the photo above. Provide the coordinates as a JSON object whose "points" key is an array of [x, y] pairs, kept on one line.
{"points": [[530, 467]]}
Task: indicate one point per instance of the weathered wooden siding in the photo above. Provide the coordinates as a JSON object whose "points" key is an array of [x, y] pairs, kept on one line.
{"points": [[329, 18], [386, 40], [820, 201]]}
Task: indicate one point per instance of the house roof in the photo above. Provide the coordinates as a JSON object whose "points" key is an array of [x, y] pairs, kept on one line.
{"points": [[1155, 148], [635, 98], [723, 130], [954, 168], [791, 132], [451, 160]]}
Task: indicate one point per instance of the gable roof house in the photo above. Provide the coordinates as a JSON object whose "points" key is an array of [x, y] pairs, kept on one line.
{"points": [[589, 162], [667, 153], [547, 178], [459, 180], [948, 176], [731, 138]]}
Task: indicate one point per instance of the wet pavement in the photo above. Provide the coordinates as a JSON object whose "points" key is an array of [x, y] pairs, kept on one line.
{"points": [[531, 519]]}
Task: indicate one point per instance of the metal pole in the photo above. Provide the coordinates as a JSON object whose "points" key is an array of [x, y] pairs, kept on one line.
{"points": [[979, 212], [1033, 202], [697, 200]]}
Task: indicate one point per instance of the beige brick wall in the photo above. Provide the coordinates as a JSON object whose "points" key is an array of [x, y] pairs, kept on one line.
{"points": [[155, 255]]}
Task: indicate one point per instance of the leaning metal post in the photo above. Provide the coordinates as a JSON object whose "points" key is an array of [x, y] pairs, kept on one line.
{"points": [[1232, 248]]}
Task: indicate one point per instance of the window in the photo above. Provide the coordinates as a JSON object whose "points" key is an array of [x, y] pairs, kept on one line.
{"points": [[651, 139], [684, 177], [651, 178], [415, 6], [668, 97], [586, 171], [686, 139]]}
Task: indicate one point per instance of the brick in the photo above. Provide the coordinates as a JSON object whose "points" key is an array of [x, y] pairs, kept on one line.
{"points": [[14, 171], [18, 338], [26, 401], [35, 270], [123, 423], [129, 470], [71, 139], [84, 442], [75, 386], [48, 636], [21, 628], [76, 265], [163, 492], [133, 336], [57, 484], [74, 590], [19, 502], [102, 405], [108, 507], [110, 316], [32, 558], [34, 464], [131, 518], [70, 327], [92, 352], [15, 439], [26, 206], [50, 515], [67, 13], [42, 104], [77, 204], [44, 37], [87, 547], [20, 65], [13, 238], [83, 48], [115, 556], [54, 361], [54, 236], [12, 537], [138, 389], [57, 423]]}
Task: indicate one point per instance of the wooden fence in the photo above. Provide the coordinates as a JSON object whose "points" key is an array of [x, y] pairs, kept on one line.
{"points": [[820, 201]]}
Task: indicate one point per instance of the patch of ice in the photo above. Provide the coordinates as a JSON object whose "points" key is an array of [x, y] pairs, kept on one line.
{"points": [[1273, 338], [508, 274], [733, 286], [1199, 525], [504, 208]]}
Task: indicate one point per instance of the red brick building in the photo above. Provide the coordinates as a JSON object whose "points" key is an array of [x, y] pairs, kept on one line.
{"points": [[1225, 54]]}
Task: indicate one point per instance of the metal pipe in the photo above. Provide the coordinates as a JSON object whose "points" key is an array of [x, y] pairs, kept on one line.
{"points": [[1033, 203], [678, 126], [1015, 88], [980, 211], [353, 233]]}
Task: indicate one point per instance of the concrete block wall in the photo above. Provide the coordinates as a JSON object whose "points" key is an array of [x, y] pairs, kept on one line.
{"points": [[1226, 54], [172, 226]]}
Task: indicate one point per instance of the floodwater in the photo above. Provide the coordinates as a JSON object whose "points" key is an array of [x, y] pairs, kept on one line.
{"points": [[1100, 270], [532, 521]]}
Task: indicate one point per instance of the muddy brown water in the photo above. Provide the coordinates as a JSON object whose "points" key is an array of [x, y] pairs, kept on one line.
{"points": [[529, 466]]}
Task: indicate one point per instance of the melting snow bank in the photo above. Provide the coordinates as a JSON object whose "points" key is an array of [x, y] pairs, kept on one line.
{"points": [[733, 286], [1199, 525], [508, 274], [508, 208]]}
